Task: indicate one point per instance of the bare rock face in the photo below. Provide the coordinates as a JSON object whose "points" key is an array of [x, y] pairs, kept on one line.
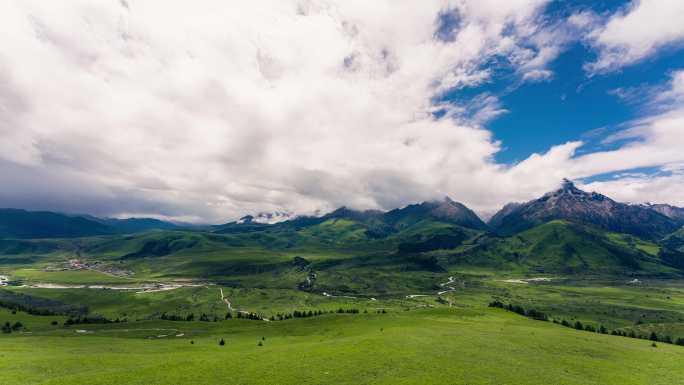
{"points": [[572, 204], [672, 212]]}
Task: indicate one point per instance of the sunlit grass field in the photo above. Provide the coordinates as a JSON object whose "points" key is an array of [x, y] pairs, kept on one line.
{"points": [[429, 346]]}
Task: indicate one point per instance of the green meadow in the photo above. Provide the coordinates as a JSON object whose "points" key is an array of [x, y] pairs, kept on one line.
{"points": [[409, 308], [418, 346]]}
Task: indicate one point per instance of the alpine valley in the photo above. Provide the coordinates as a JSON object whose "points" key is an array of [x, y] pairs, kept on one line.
{"points": [[349, 292]]}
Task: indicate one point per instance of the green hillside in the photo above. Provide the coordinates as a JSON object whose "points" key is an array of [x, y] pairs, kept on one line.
{"points": [[567, 248], [452, 346], [403, 301]]}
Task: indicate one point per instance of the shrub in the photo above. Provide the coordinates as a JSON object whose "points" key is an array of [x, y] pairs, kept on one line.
{"points": [[496, 303]]}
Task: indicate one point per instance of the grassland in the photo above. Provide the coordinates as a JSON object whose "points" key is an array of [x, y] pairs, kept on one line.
{"points": [[430, 346], [437, 328]]}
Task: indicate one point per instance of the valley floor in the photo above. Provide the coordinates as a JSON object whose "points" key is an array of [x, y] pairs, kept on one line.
{"points": [[452, 338]]}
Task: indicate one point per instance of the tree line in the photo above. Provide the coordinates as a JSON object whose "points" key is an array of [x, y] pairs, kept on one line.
{"points": [[8, 328], [531, 313], [93, 319], [259, 317], [578, 325]]}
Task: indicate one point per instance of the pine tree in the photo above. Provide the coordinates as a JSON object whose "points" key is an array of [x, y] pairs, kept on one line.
{"points": [[653, 336], [222, 342]]}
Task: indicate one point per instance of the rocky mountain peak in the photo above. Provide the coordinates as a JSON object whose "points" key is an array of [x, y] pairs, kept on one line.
{"points": [[575, 205]]}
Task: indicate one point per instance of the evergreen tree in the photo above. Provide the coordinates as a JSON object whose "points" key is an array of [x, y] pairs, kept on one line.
{"points": [[653, 336], [578, 325], [222, 342]]}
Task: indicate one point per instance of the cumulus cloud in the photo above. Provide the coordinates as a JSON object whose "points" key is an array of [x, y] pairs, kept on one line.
{"points": [[206, 111], [638, 31], [213, 110], [644, 189], [656, 140]]}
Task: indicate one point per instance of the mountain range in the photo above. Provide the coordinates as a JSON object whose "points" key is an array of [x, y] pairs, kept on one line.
{"points": [[22, 224], [564, 231], [649, 221], [572, 204]]}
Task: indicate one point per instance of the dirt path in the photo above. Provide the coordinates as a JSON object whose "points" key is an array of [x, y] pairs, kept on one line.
{"points": [[224, 299], [446, 285], [338, 296], [528, 280]]}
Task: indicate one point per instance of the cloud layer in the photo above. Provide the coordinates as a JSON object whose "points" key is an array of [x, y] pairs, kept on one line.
{"points": [[637, 32], [205, 111]]}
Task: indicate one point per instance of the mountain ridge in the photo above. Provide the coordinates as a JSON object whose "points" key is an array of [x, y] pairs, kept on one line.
{"points": [[570, 203], [25, 224]]}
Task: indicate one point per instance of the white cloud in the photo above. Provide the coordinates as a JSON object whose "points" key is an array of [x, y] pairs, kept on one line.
{"points": [[643, 189], [209, 110], [635, 33], [655, 140]]}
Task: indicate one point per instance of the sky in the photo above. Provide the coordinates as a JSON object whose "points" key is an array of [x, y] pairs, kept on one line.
{"points": [[206, 111]]}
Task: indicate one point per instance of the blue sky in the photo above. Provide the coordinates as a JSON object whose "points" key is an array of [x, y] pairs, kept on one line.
{"points": [[572, 105], [208, 110]]}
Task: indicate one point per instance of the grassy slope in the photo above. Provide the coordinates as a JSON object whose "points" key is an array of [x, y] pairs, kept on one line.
{"points": [[676, 240], [562, 247], [470, 344], [445, 346]]}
